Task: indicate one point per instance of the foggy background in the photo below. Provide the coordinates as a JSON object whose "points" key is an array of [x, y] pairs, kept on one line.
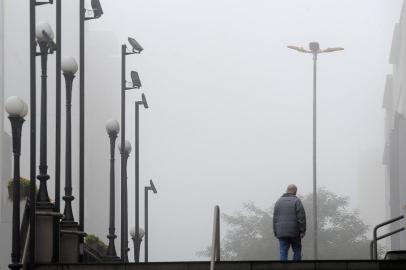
{"points": [[230, 117]]}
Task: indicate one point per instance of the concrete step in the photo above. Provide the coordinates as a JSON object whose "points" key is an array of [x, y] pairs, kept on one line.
{"points": [[240, 265]]}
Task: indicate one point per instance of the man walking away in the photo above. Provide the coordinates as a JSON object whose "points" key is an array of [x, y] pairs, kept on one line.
{"points": [[289, 224]]}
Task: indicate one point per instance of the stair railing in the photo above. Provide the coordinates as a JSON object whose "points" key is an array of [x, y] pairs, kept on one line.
{"points": [[215, 246], [373, 245], [25, 224]]}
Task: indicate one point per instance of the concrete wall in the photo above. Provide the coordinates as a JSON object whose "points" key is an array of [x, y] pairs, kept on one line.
{"points": [[394, 103], [244, 265]]}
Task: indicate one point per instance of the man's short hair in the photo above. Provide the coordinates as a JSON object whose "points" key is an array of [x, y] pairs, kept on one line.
{"points": [[292, 189]]}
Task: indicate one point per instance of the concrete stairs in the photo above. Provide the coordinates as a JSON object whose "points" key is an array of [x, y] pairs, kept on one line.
{"points": [[237, 265]]}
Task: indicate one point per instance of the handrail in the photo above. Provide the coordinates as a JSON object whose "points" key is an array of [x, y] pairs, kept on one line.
{"points": [[25, 233], [215, 247], [25, 224], [373, 245], [25, 248]]}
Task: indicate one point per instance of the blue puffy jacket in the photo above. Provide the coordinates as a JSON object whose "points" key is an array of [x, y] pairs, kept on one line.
{"points": [[289, 217]]}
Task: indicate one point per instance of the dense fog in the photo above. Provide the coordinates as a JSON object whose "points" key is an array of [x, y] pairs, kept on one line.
{"points": [[230, 107]]}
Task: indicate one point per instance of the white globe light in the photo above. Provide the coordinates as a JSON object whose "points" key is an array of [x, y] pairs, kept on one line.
{"points": [[127, 147], [15, 106], [132, 232], [69, 65], [43, 26], [141, 232], [25, 111], [112, 126]]}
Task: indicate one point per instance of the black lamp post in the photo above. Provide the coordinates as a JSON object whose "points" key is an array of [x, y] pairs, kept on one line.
{"points": [[137, 168], [113, 129], [44, 36], [136, 83], [97, 13], [153, 189], [69, 68], [33, 133], [57, 176], [125, 152], [33, 126], [314, 49], [70, 232], [17, 109], [137, 241]]}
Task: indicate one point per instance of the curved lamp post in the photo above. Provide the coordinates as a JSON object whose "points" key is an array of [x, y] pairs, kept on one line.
{"points": [[69, 68], [135, 84], [112, 128], [124, 225], [144, 103], [314, 49], [17, 109], [44, 35], [152, 188], [137, 241]]}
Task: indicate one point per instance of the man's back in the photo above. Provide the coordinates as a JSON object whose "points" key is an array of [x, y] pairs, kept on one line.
{"points": [[289, 217], [289, 223]]}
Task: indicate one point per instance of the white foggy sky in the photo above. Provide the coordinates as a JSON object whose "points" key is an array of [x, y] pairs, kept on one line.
{"points": [[230, 117], [231, 107]]}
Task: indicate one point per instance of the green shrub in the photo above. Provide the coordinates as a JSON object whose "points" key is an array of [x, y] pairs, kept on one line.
{"points": [[95, 243], [24, 188]]}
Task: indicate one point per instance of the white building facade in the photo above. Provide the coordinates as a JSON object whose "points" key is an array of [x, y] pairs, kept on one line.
{"points": [[394, 104], [14, 80]]}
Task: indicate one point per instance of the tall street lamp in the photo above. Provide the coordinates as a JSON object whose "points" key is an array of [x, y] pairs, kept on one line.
{"points": [[33, 127], [135, 84], [69, 68], [70, 230], [137, 241], [144, 103], [17, 109], [33, 134], [112, 128], [97, 13], [44, 36], [44, 249], [125, 152], [153, 189], [57, 177], [314, 49]]}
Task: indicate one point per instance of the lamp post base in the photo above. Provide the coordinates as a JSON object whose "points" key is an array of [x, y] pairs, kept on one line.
{"points": [[15, 266], [45, 216], [70, 247]]}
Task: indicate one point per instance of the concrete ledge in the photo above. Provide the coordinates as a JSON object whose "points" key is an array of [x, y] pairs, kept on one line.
{"points": [[236, 265]]}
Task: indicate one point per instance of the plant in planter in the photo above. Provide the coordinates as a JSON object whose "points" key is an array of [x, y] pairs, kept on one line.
{"points": [[95, 243], [24, 188]]}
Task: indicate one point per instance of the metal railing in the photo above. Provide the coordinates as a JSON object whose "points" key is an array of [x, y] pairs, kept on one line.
{"points": [[25, 223], [215, 246], [373, 247], [25, 233]]}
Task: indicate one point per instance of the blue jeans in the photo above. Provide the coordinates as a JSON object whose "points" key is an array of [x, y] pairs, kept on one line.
{"points": [[285, 243]]}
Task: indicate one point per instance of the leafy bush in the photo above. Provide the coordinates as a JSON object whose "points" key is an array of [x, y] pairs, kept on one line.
{"points": [[95, 243], [24, 188]]}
